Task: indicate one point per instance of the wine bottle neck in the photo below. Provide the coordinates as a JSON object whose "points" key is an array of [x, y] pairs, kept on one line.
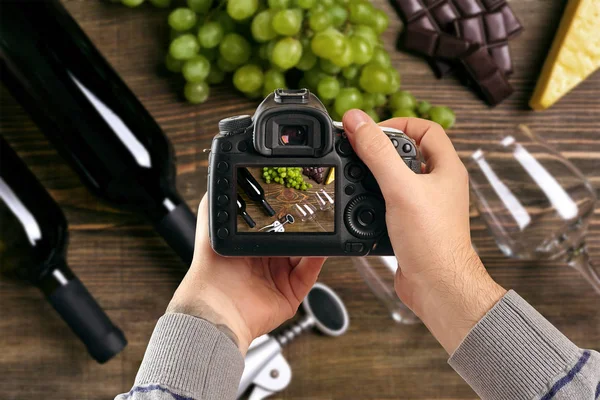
{"points": [[56, 276], [178, 227]]}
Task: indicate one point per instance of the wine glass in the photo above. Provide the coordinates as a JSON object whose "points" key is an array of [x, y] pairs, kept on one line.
{"points": [[536, 204], [379, 273]]}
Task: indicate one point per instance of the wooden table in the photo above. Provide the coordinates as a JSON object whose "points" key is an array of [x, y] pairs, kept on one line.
{"points": [[133, 274]]}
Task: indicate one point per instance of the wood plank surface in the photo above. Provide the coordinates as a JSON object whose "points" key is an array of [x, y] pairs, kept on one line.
{"points": [[133, 274]]}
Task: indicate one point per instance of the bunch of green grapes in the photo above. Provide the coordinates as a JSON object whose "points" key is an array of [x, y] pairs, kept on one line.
{"points": [[290, 177], [332, 47]]}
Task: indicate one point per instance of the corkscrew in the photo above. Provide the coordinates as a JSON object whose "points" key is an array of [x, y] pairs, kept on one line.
{"points": [[265, 366]]}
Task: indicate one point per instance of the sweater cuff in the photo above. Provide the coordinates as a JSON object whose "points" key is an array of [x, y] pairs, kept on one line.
{"points": [[513, 352], [193, 357]]}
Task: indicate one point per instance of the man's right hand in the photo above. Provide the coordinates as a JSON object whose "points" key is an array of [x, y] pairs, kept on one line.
{"points": [[440, 277]]}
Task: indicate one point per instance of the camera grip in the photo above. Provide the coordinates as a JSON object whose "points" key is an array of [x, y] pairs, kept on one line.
{"points": [[88, 321]]}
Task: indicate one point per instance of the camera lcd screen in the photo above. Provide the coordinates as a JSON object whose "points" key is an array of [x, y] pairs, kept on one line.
{"points": [[280, 199]]}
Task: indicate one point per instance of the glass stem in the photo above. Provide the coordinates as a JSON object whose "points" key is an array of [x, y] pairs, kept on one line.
{"points": [[580, 260]]}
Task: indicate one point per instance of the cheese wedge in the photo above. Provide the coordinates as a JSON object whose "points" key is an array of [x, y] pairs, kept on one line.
{"points": [[331, 176], [574, 55]]}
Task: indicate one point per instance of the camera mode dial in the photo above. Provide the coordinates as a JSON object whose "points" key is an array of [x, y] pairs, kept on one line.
{"points": [[234, 125]]}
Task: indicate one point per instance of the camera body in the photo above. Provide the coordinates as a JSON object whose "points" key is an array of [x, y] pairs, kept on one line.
{"points": [[258, 204]]}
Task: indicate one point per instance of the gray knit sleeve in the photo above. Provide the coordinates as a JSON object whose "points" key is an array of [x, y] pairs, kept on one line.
{"points": [[187, 358], [514, 353]]}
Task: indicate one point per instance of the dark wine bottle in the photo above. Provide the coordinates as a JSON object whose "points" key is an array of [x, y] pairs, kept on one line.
{"points": [[241, 210], [92, 117], [33, 242], [253, 189]]}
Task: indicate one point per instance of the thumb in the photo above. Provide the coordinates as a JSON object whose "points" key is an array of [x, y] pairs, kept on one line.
{"points": [[376, 150]]}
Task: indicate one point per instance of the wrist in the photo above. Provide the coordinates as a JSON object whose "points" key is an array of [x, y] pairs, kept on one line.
{"points": [[455, 299], [214, 306]]}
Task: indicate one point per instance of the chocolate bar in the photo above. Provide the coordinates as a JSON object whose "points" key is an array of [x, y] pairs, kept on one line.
{"points": [[474, 58], [489, 31], [440, 16]]}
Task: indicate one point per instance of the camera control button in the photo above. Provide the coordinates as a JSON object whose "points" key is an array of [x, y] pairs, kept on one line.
{"points": [[355, 172], [366, 217], [395, 143], [242, 146], [226, 146], [406, 148], [222, 233], [344, 148], [222, 216], [222, 166], [350, 189], [223, 200], [223, 184], [351, 247]]}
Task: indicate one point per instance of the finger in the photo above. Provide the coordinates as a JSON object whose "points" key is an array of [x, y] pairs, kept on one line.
{"points": [[432, 140], [304, 275], [202, 241], [376, 150]]}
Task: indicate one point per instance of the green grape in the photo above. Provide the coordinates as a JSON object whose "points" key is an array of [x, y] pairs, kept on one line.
{"points": [[227, 23], [338, 14], [350, 72], [161, 3], [394, 81], [361, 13], [182, 19], [346, 58], [319, 20], [380, 21], [314, 76], [381, 57], [210, 35], [241, 9], [328, 88], [329, 67], [287, 22], [347, 99], [286, 53], [443, 116], [423, 108], [374, 78], [402, 99], [327, 3], [262, 29], [196, 69], [235, 49], [172, 64], [367, 33], [274, 79], [306, 4], [216, 75], [200, 6], [184, 47], [132, 3], [248, 79], [196, 93], [329, 43], [308, 59], [210, 54], [362, 51], [380, 99], [279, 4], [368, 101], [226, 65], [404, 113], [372, 113]]}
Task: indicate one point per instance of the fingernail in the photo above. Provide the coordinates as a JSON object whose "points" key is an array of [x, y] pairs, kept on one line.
{"points": [[354, 119]]}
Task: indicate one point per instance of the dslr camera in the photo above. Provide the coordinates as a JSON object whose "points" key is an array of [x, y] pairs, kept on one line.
{"points": [[286, 182]]}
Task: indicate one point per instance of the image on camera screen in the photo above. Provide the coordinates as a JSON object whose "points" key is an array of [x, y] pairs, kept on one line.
{"points": [[279, 199]]}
